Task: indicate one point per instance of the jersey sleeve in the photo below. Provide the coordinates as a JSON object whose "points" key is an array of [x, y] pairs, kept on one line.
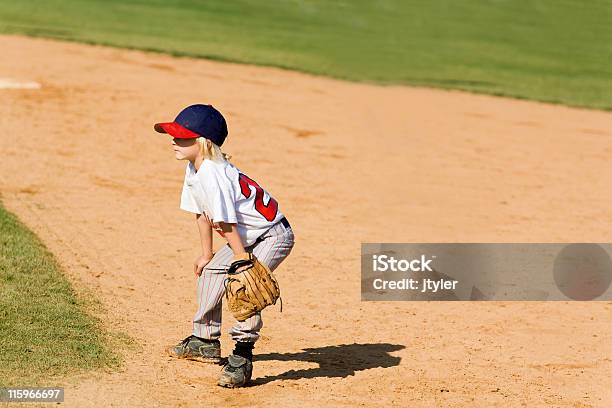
{"points": [[187, 200], [221, 201]]}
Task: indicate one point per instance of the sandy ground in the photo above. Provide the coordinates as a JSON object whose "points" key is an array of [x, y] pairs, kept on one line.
{"points": [[348, 163]]}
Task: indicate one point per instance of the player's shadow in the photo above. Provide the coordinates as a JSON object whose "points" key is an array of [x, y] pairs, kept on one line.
{"points": [[334, 361]]}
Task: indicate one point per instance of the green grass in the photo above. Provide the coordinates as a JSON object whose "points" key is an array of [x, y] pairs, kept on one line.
{"points": [[549, 50], [45, 332]]}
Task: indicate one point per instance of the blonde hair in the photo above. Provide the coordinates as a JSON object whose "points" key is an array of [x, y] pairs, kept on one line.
{"points": [[210, 150]]}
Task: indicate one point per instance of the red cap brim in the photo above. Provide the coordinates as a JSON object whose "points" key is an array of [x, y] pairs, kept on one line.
{"points": [[175, 130]]}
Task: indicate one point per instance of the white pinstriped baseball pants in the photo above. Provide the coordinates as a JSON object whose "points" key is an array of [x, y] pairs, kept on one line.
{"points": [[271, 248]]}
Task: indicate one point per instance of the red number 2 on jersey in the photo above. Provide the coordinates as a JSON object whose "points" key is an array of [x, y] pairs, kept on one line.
{"points": [[268, 211]]}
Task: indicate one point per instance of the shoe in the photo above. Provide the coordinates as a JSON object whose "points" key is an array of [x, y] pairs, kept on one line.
{"points": [[195, 349], [236, 372]]}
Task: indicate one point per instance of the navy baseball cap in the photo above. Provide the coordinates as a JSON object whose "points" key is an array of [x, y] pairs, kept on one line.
{"points": [[197, 121]]}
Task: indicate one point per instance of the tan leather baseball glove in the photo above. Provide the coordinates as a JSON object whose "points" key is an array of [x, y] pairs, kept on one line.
{"points": [[249, 286]]}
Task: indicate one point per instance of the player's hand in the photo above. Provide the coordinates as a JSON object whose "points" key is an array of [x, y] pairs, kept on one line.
{"points": [[200, 262]]}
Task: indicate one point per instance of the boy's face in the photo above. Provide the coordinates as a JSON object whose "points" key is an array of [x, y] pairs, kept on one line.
{"points": [[185, 149]]}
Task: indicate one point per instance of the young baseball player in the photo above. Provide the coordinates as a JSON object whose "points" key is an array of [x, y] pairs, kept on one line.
{"points": [[225, 200]]}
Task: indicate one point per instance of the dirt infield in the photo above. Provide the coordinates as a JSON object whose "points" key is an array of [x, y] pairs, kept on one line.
{"points": [[348, 163]]}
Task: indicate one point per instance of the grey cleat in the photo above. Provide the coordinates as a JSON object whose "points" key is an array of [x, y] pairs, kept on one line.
{"points": [[195, 349], [236, 372]]}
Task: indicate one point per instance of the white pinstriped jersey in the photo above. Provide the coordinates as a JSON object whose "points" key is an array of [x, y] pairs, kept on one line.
{"points": [[223, 193]]}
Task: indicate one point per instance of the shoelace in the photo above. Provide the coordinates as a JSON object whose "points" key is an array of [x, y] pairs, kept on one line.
{"points": [[185, 342], [233, 369]]}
